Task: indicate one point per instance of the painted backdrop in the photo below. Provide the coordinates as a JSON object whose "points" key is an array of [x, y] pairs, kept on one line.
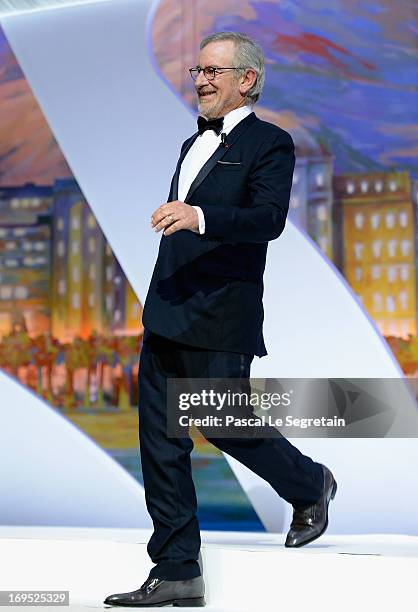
{"points": [[342, 79]]}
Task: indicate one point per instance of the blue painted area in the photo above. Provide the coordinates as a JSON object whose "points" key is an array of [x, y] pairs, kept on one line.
{"points": [[351, 66], [222, 504]]}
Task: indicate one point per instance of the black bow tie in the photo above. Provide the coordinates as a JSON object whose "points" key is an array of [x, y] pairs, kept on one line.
{"points": [[211, 124]]}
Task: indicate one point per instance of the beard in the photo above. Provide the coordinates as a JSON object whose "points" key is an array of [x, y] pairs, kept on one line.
{"points": [[208, 108]]}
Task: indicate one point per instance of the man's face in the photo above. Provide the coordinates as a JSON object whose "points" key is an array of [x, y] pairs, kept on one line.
{"points": [[220, 96]]}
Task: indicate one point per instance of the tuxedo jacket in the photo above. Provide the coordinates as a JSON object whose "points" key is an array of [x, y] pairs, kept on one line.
{"points": [[207, 289]]}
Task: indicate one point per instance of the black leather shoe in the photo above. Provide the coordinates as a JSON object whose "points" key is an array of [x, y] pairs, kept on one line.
{"points": [[307, 525], [158, 592]]}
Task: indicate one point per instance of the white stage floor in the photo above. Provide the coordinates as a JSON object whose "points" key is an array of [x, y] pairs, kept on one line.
{"points": [[243, 571]]}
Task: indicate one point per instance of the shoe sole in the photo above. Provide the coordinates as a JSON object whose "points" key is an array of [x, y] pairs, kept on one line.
{"points": [[190, 603], [195, 602], [333, 493]]}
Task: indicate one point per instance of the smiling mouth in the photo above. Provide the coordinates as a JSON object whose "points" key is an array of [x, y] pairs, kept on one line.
{"points": [[205, 94]]}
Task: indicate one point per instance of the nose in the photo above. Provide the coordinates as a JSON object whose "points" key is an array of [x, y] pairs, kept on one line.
{"points": [[201, 79]]}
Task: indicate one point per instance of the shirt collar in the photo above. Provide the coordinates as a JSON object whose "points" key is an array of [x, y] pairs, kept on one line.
{"points": [[235, 116], [232, 118]]}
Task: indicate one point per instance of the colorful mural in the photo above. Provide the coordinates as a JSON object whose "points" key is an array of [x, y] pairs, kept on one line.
{"points": [[342, 79], [70, 323]]}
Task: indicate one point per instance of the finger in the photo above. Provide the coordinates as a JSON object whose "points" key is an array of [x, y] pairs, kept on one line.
{"points": [[160, 213], [173, 227], [169, 220], [158, 218], [166, 209]]}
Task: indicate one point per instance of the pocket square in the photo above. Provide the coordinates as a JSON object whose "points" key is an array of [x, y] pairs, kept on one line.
{"points": [[230, 163]]}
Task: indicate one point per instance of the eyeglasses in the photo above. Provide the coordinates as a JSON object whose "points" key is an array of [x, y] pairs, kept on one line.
{"points": [[210, 71]]}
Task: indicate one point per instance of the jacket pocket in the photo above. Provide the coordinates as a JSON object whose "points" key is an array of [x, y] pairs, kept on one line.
{"points": [[230, 165]]}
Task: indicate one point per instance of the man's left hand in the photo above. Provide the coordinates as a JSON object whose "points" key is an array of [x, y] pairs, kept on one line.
{"points": [[174, 216]]}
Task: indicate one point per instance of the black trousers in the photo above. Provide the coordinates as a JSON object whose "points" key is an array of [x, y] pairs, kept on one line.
{"points": [[169, 489]]}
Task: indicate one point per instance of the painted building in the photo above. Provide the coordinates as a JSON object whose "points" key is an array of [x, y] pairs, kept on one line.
{"points": [[25, 259], [376, 246], [311, 198], [89, 289]]}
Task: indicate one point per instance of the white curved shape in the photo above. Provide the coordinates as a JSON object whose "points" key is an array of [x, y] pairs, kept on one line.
{"points": [[53, 474], [19, 7], [122, 144], [98, 96]]}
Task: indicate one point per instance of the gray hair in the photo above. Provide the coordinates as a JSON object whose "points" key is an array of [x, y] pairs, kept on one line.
{"points": [[247, 53]]}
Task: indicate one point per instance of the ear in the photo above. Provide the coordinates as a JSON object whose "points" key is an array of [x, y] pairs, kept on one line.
{"points": [[247, 80]]}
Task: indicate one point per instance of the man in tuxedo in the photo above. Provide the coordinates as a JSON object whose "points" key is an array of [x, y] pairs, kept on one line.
{"points": [[203, 313]]}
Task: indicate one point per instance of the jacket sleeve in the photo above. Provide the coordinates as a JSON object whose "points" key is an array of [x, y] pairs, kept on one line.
{"points": [[269, 183]]}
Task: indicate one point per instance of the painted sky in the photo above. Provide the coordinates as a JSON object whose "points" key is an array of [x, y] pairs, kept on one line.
{"points": [[342, 75], [28, 150], [341, 72]]}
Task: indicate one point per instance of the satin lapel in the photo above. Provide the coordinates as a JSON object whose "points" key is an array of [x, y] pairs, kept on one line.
{"points": [[175, 193], [232, 137]]}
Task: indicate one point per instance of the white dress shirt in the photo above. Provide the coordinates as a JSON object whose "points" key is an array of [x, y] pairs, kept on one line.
{"points": [[201, 150]]}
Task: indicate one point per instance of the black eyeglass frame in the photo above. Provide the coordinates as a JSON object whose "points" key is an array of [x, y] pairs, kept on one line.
{"points": [[213, 70]]}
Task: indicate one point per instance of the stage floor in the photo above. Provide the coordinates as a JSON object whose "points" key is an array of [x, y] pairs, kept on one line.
{"points": [[243, 571]]}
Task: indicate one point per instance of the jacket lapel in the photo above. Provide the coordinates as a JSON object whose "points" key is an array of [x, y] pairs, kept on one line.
{"points": [[232, 137]]}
